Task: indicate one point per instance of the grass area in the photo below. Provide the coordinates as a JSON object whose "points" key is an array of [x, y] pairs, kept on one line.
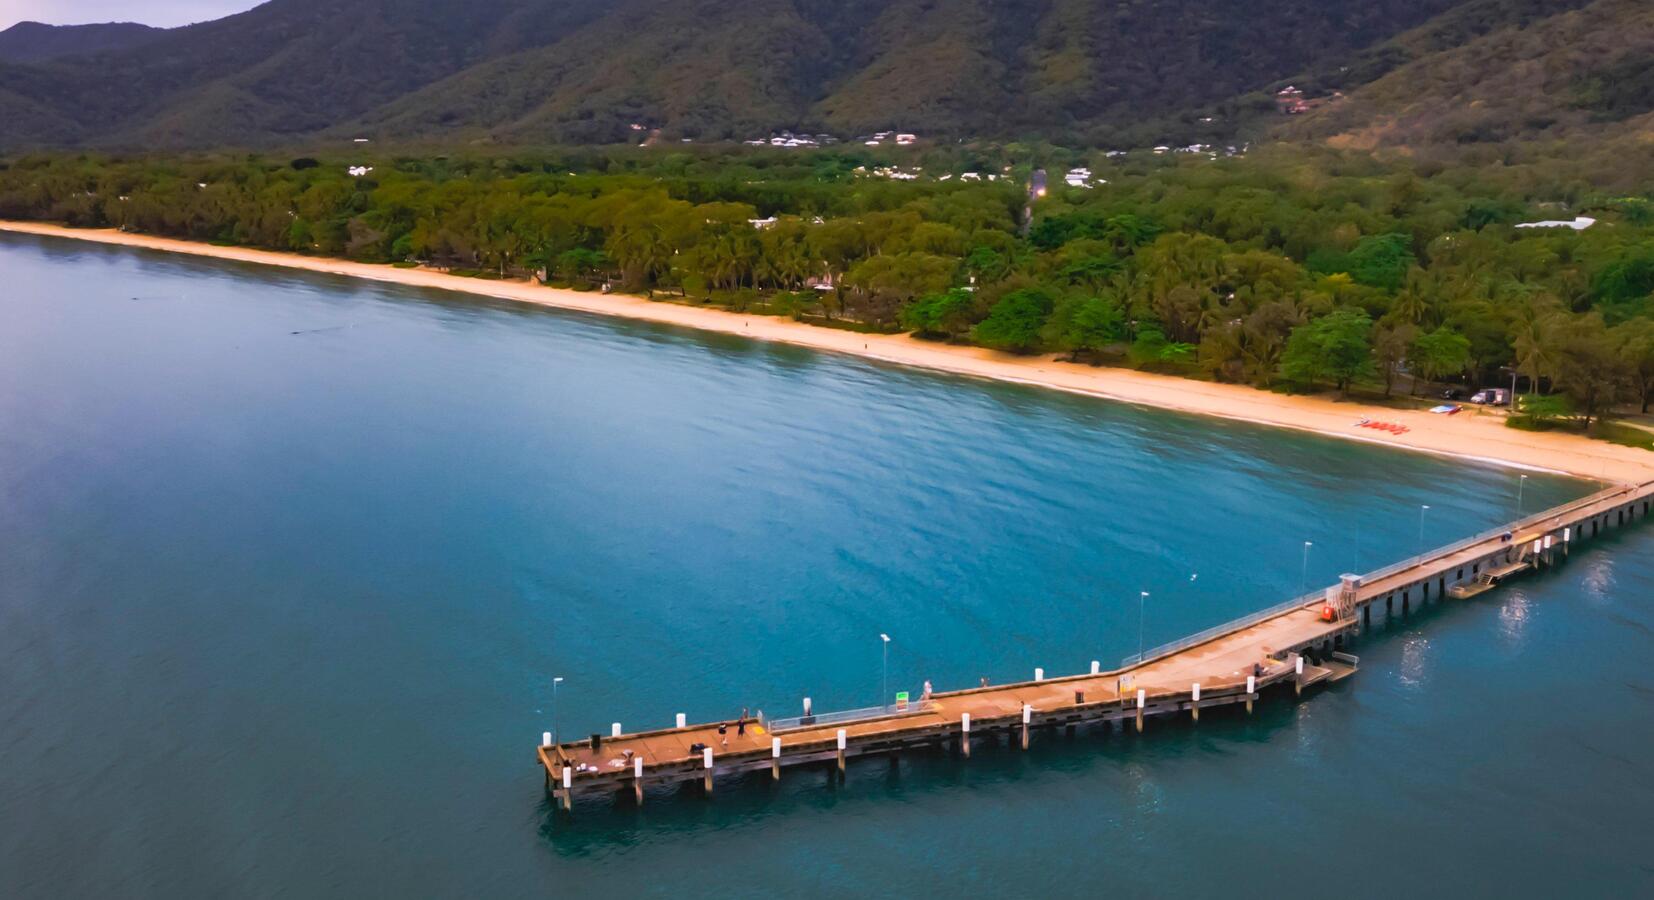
{"points": [[1613, 432]]}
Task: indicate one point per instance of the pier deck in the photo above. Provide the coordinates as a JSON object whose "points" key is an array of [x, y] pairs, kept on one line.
{"points": [[1298, 642]]}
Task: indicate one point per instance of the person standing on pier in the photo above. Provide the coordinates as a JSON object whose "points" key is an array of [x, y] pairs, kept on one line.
{"points": [[723, 733], [741, 723]]}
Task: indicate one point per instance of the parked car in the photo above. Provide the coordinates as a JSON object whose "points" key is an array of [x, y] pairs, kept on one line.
{"points": [[1453, 394], [1491, 397]]}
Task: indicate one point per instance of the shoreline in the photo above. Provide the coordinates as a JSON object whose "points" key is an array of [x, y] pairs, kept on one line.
{"points": [[1467, 436]]}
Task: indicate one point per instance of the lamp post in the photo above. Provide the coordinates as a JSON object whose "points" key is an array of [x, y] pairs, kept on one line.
{"points": [[884, 682], [1424, 508], [555, 736], [1303, 574], [1142, 596], [1521, 485]]}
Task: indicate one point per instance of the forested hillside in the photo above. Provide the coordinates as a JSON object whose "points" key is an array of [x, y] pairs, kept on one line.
{"points": [[1574, 72], [514, 71], [28, 42]]}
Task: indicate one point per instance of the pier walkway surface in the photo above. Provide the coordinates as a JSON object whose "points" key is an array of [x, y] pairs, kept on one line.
{"points": [[1300, 642]]}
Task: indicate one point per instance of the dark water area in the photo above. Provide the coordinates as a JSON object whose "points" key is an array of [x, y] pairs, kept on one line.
{"points": [[288, 562]]}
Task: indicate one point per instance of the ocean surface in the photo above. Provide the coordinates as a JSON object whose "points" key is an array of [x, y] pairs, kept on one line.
{"points": [[288, 564]]}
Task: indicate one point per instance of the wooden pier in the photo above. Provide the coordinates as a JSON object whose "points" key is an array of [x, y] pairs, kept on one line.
{"points": [[1301, 643]]}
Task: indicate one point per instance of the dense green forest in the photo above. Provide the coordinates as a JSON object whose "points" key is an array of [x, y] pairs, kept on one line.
{"points": [[1292, 267], [1081, 72]]}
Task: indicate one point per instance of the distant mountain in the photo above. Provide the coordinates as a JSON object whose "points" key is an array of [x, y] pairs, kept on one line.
{"points": [[580, 71], [28, 42], [1540, 69]]}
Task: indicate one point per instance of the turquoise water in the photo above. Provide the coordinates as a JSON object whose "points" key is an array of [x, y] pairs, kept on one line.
{"points": [[287, 563]]}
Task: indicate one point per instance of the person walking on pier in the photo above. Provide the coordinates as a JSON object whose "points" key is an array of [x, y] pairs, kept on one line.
{"points": [[741, 723], [723, 733]]}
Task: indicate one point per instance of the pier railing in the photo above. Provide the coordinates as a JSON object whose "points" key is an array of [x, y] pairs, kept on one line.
{"points": [[844, 716], [1318, 596], [1217, 631]]}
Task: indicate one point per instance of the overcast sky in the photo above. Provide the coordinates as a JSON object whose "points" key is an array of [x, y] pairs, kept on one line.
{"points": [[150, 12]]}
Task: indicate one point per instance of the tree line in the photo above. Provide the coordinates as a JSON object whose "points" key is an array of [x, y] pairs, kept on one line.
{"points": [[1291, 266]]}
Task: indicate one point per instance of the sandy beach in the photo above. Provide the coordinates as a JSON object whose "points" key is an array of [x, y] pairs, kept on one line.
{"points": [[1470, 434]]}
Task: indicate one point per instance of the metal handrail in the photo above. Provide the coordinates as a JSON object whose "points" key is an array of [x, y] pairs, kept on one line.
{"points": [[1251, 619], [1201, 637], [843, 716]]}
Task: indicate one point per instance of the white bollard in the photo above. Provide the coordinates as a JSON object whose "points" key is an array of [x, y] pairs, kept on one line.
{"points": [[1096, 667], [637, 767], [1039, 674], [706, 757], [775, 748], [1251, 684], [545, 739], [614, 730], [1300, 665], [1141, 695], [841, 739], [1197, 692], [683, 720], [965, 723], [1027, 713]]}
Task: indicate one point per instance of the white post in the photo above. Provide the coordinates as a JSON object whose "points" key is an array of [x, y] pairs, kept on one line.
{"points": [[545, 739], [637, 779], [806, 707], [1141, 695], [1194, 707], [568, 778], [1567, 534], [1548, 540], [965, 734], [1096, 667], [683, 720], [1299, 665], [1039, 674], [637, 767], [965, 722], [706, 757], [1298, 677], [1027, 716], [614, 730], [1251, 688], [841, 739], [775, 748]]}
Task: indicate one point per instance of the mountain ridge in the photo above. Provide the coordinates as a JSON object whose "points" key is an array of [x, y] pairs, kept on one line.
{"points": [[1084, 72]]}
